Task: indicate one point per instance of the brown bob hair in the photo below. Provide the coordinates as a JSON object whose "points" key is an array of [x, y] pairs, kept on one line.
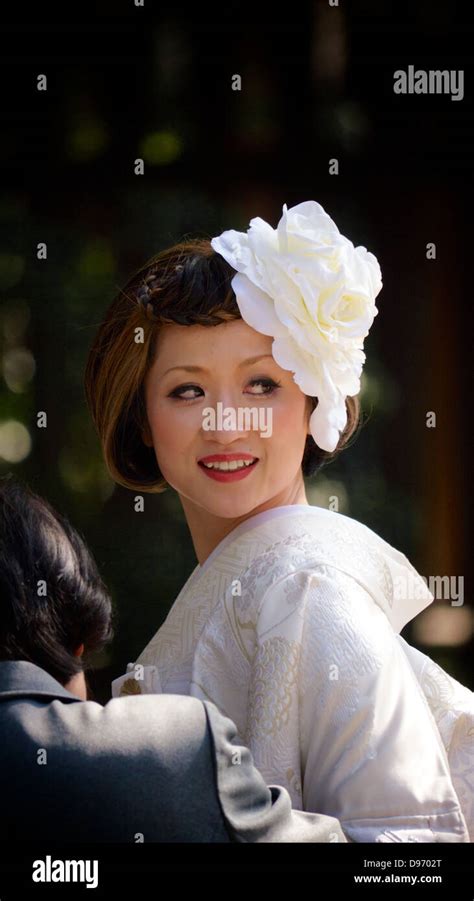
{"points": [[187, 284]]}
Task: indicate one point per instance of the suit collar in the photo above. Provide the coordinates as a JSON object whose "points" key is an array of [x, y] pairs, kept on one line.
{"points": [[19, 677]]}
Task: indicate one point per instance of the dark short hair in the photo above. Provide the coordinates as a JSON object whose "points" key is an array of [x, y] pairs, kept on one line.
{"points": [[37, 543], [186, 284]]}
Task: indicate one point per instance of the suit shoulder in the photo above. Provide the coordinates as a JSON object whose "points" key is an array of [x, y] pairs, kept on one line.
{"points": [[158, 721]]}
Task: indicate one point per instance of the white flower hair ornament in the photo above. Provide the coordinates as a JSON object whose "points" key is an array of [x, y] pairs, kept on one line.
{"points": [[308, 287]]}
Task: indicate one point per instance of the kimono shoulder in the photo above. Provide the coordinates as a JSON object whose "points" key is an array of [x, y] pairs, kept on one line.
{"points": [[312, 537]]}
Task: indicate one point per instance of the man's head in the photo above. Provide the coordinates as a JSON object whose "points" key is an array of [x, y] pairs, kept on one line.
{"points": [[54, 606]]}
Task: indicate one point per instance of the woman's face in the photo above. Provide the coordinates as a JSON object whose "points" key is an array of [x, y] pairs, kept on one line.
{"points": [[198, 367]]}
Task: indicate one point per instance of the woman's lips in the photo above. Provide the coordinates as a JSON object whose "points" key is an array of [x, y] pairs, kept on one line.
{"points": [[232, 475]]}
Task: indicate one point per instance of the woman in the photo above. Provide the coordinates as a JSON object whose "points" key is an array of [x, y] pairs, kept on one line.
{"points": [[290, 621]]}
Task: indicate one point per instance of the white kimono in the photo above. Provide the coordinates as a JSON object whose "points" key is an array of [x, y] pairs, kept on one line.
{"points": [[291, 627]]}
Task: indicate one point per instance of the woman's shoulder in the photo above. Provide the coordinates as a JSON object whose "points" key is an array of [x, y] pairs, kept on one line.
{"points": [[333, 531], [314, 541], [293, 532], [305, 539]]}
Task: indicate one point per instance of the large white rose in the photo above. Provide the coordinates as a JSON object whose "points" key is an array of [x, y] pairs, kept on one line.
{"points": [[308, 287]]}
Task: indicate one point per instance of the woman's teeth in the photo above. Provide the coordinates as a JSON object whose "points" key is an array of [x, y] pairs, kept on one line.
{"points": [[225, 467]]}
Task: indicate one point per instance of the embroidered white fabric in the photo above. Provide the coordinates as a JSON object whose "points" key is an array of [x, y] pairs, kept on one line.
{"points": [[291, 628]]}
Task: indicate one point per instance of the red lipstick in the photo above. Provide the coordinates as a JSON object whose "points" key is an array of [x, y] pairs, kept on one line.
{"points": [[231, 475]]}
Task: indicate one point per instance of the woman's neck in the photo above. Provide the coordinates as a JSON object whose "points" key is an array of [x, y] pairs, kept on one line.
{"points": [[208, 530]]}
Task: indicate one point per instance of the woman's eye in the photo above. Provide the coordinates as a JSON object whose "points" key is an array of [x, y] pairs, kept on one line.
{"points": [[184, 390], [269, 384]]}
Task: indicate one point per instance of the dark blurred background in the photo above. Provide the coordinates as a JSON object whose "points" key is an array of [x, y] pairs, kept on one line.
{"points": [[155, 82]]}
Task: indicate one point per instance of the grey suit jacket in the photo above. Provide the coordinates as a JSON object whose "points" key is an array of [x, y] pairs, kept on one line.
{"points": [[158, 768]]}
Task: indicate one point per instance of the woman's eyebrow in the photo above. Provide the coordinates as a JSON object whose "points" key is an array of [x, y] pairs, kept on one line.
{"points": [[202, 369]]}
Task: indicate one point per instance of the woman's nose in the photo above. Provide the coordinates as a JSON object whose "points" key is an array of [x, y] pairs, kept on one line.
{"points": [[224, 417]]}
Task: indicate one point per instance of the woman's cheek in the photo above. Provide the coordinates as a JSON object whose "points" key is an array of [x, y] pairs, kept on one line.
{"points": [[287, 420], [166, 420]]}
